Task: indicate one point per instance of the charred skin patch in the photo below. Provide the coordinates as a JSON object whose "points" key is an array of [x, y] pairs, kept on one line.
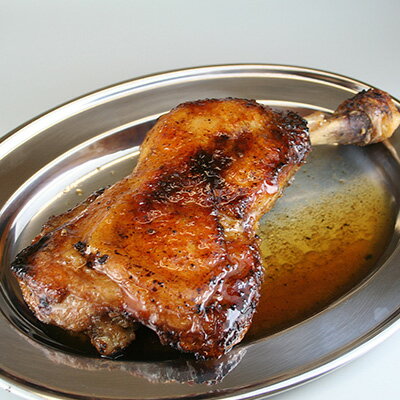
{"points": [[203, 168], [294, 132], [91, 258], [20, 266], [167, 185], [94, 260], [102, 259], [208, 166], [80, 247]]}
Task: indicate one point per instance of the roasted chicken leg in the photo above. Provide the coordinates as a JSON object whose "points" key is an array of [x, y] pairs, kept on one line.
{"points": [[172, 246]]}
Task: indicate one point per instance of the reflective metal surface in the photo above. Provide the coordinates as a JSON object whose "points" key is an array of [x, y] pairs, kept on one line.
{"points": [[53, 162]]}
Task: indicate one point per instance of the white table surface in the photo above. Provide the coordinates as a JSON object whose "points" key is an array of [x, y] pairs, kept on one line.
{"points": [[52, 51]]}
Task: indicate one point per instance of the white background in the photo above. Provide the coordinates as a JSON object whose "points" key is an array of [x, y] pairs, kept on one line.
{"points": [[52, 51]]}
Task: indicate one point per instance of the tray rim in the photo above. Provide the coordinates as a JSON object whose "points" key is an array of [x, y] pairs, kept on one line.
{"points": [[30, 390], [173, 72]]}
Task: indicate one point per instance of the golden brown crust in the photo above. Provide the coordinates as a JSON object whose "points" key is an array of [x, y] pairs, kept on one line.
{"points": [[173, 245]]}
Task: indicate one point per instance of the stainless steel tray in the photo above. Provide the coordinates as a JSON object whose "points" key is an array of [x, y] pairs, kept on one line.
{"points": [[48, 164]]}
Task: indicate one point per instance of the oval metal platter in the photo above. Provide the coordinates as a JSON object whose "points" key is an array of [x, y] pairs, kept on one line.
{"points": [[51, 163]]}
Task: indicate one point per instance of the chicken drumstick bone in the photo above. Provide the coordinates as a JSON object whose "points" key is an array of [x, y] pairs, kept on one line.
{"points": [[368, 117]]}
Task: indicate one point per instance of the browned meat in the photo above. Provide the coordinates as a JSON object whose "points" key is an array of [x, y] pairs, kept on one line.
{"points": [[173, 245]]}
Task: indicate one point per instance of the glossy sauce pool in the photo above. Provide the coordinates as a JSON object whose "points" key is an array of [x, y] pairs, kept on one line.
{"points": [[314, 250]]}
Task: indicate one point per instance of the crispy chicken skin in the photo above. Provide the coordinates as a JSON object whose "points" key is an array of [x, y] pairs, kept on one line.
{"points": [[173, 245]]}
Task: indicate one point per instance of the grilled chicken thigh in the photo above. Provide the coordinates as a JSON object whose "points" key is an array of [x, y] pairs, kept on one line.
{"points": [[173, 246]]}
